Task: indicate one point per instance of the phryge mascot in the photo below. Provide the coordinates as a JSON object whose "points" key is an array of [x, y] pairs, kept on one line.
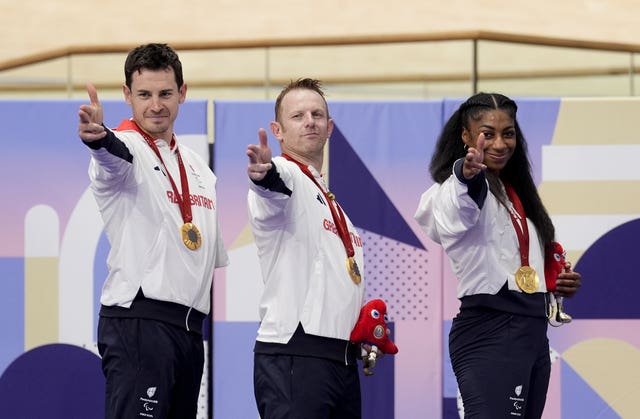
{"points": [[371, 328], [554, 262]]}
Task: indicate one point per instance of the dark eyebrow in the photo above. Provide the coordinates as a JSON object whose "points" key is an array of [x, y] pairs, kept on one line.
{"points": [[491, 127], [148, 91]]}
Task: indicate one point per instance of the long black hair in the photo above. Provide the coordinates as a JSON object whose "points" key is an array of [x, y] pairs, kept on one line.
{"points": [[516, 172]]}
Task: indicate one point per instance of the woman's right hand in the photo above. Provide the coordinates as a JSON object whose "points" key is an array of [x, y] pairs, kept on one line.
{"points": [[473, 161]]}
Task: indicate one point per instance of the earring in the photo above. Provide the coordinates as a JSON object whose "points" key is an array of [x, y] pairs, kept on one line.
{"points": [[466, 147]]}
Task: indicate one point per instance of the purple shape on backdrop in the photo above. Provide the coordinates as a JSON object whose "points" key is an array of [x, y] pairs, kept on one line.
{"points": [[610, 286], [236, 126], [38, 168], [450, 408], [11, 309], [233, 369], [53, 381], [357, 187], [449, 383], [100, 273]]}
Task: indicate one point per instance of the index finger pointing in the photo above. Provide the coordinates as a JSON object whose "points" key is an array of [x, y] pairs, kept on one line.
{"points": [[93, 94], [262, 136], [480, 142]]}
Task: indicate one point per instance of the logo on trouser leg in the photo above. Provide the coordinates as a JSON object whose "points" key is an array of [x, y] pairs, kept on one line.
{"points": [[518, 402], [148, 403]]}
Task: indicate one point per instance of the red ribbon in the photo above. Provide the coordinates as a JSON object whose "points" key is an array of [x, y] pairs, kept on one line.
{"points": [[184, 200], [339, 219], [522, 229]]}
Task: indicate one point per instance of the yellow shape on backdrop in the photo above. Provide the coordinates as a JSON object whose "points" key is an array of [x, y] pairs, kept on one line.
{"points": [[41, 282], [243, 239], [581, 121], [612, 368]]}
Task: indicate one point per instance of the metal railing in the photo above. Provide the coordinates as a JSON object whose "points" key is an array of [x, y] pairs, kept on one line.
{"points": [[464, 62]]}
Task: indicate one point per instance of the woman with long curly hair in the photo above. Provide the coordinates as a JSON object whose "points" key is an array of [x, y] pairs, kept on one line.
{"points": [[484, 209]]}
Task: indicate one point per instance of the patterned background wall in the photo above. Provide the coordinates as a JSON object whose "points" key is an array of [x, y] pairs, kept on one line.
{"points": [[52, 253]]}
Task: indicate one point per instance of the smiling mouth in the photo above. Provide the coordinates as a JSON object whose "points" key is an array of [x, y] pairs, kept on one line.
{"points": [[502, 158], [498, 156]]}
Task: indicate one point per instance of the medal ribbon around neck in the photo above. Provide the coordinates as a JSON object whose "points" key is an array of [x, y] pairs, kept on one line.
{"points": [[190, 234], [522, 229], [339, 220], [526, 277]]}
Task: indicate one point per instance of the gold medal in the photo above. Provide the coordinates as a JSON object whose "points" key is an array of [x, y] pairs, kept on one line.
{"points": [[354, 271], [191, 236], [527, 279]]}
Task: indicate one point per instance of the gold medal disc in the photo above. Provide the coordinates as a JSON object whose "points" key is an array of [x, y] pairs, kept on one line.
{"points": [[191, 236], [527, 279], [354, 271]]}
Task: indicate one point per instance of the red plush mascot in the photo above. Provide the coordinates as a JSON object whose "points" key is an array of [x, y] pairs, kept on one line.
{"points": [[371, 328], [554, 262]]}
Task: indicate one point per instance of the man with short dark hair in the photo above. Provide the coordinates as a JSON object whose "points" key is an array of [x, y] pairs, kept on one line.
{"points": [[159, 205]]}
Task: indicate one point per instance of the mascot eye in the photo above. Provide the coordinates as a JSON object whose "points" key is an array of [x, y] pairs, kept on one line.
{"points": [[557, 257], [386, 318], [375, 313]]}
